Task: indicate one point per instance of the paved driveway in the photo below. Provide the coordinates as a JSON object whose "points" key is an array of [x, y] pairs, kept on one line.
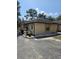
{"points": [[45, 48]]}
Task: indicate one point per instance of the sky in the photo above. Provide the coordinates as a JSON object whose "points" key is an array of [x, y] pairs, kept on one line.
{"points": [[50, 7]]}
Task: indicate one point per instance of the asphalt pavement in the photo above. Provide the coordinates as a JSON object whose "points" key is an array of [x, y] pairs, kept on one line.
{"points": [[43, 48]]}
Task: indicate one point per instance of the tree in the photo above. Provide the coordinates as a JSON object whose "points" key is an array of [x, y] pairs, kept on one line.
{"points": [[18, 14], [51, 18], [31, 13], [43, 16], [59, 17], [18, 9]]}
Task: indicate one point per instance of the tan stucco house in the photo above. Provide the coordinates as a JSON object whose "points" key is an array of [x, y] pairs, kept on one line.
{"points": [[39, 26]]}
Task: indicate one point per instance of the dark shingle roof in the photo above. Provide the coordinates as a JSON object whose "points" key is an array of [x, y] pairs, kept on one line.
{"points": [[42, 21]]}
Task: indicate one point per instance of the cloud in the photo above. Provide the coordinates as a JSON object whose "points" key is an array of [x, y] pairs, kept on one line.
{"points": [[45, 13], [50, 14], [53, 14], [42, 12], [56, 14], [38, 11]]}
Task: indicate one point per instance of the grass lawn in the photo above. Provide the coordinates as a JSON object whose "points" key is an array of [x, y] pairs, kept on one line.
{"points": [[57, 37]]}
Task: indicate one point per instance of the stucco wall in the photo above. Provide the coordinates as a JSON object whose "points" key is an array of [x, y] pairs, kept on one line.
{"points": [[31, 28], [53, 27], [59, 28], [39, 28]]}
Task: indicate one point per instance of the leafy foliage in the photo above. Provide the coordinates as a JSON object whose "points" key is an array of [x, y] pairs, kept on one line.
{"points": [[18, 8], [43, 16], [31, 13], [18, 14], [59, 17], [51, 18]]}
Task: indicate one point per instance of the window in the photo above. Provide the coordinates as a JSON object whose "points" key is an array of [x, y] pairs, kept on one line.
{"points": [[47, 28]]}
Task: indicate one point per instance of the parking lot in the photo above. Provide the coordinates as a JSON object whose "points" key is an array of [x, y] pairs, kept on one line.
{"points": [[43, 48]]}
